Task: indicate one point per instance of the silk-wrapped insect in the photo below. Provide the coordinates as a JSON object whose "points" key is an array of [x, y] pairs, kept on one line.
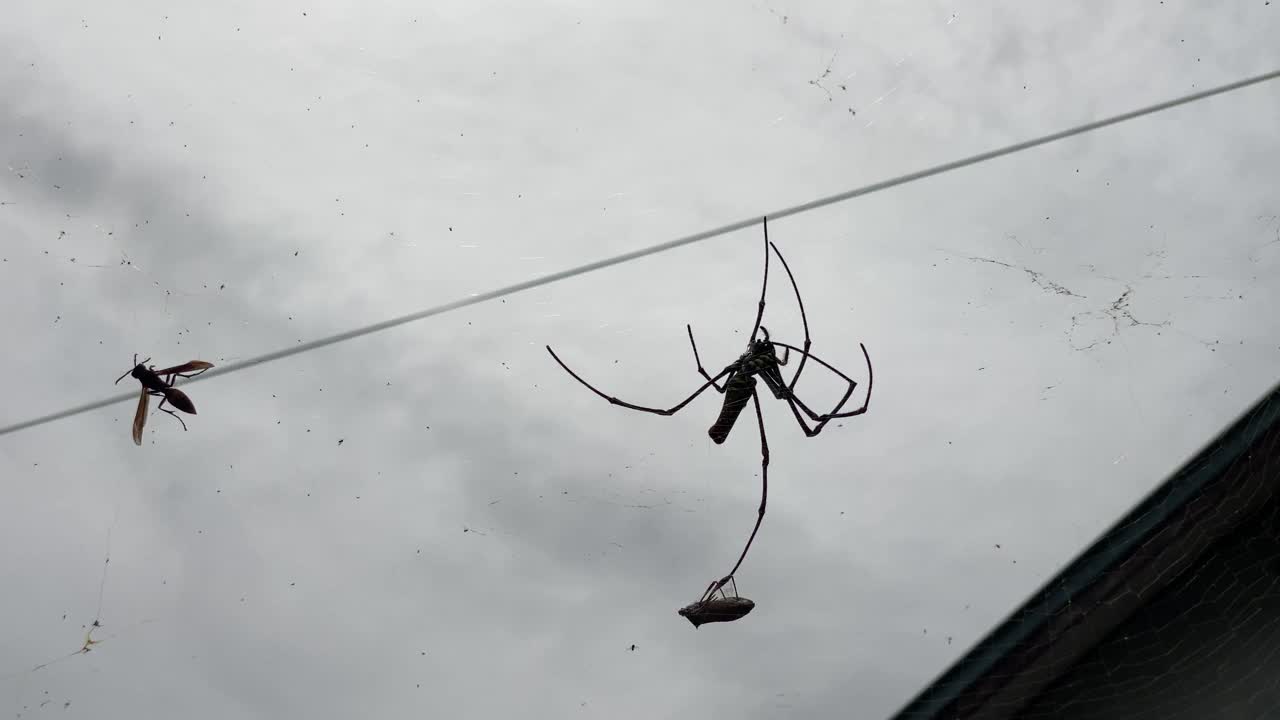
{"points": [[711, 609]]}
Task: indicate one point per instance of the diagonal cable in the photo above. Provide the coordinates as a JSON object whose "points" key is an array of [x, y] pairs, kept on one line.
{"points": [[678, 242]]}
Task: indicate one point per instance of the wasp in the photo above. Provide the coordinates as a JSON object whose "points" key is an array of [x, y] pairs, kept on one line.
{"points": [[160, 383]]}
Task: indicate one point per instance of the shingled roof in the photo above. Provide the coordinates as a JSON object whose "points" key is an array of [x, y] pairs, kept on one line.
{"points": [[1229, 481]]}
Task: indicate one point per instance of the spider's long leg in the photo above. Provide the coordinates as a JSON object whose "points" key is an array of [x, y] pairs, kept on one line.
{"points": [[656, 411], [712, 588], [804, 319], [764, 286], [795, 403], [702, 371], [821, 420], [848, 391], [764, 488], [865, 402]]}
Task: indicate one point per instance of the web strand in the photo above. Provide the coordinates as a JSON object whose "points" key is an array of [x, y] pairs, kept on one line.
{"points": [[477, 298]]}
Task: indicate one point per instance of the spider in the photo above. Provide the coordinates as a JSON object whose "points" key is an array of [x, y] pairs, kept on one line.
{"points": [[760, 360]]}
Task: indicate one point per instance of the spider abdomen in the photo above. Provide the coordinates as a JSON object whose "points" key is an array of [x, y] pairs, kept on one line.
{"points": [[737, 393]]}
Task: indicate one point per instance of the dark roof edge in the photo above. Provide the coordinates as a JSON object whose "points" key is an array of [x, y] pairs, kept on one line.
{"points": [[1111, 548]]}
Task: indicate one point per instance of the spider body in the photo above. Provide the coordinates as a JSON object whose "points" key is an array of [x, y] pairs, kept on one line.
{"points": [[759, 361]]}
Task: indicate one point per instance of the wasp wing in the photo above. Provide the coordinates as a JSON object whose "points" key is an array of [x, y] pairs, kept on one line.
{"points": [[140, 417], [186, 367]]}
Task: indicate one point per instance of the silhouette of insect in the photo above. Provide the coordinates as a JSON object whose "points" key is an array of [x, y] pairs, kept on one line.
{"points": [[712, 609], [160, 383]]}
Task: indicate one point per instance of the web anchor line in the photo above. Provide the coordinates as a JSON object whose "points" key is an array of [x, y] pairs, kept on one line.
{"points": [[775, 215]]}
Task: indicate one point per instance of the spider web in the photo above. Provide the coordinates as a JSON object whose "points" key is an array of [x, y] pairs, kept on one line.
{"points": [[1184, 621]]}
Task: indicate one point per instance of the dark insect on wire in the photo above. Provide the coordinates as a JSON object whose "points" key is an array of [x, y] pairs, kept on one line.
{"points": [[160, 383], [760, 360]]}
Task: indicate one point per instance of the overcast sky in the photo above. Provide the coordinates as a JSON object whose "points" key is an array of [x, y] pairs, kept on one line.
{"points": [[436, 520]]}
